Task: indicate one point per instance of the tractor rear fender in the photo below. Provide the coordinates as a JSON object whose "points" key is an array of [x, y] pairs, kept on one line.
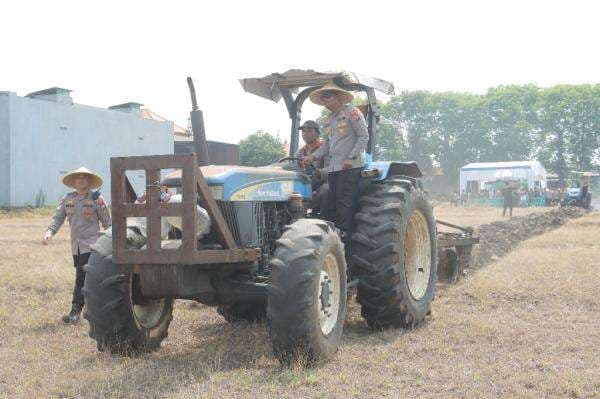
{"points": [[390, 169]]}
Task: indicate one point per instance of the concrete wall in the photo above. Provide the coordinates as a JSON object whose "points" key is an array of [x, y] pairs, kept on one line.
{"points": [[49, 139], [5, 148]]}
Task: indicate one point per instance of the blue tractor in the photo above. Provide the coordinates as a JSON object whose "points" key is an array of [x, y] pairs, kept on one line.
{"points": [[578, 194], [245, 240]]}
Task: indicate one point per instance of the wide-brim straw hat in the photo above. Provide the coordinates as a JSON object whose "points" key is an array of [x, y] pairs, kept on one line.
{"points": [[95, 180], [315, 96]]}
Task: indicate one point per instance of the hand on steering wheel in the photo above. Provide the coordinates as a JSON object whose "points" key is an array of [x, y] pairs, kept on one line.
{"points": [[309, 168]]}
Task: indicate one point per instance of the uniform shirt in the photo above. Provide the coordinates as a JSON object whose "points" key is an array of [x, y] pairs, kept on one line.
{"points": [[320, 165], [84, 215], [309, 149], [346, 136]]}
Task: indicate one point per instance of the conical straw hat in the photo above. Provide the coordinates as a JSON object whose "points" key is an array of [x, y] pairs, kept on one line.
{"points": [[95, 180], [315, 96]]}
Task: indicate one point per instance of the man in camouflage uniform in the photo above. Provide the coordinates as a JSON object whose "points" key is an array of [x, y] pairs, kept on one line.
{"points": [[320, 188], [346, 138], [85, 210]]}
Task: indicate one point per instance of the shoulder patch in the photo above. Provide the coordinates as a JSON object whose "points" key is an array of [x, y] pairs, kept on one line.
{"points": [[355, 114]]}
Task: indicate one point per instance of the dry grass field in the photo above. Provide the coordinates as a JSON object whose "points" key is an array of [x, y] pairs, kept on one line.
{"points": [[525, 326]]}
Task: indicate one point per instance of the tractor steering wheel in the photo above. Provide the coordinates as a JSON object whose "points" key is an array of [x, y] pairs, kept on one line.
{"points": [[308, 169], [290, 159]]}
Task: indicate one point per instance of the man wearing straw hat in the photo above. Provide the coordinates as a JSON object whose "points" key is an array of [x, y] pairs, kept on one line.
{"points": [[346, 138], [85, 210]]}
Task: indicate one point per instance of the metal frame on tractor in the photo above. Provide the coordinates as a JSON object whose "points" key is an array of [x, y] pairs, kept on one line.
{"points": [[193, 187]]}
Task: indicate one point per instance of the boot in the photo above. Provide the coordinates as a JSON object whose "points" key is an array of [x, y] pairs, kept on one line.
{"points": [[73, 316]]}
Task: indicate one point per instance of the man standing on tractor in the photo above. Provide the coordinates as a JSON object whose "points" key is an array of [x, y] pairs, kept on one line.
{"points": [[509, 198], [346, 138], [85, 211]]}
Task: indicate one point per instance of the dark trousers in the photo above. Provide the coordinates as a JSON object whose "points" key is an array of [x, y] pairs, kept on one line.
{"points": [[320, 200], [343, 200], [79, 261]]}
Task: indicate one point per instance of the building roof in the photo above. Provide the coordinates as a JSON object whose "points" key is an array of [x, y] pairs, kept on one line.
{"points": [[52, 90], [177, 130], [500, 165], [131, 104]]}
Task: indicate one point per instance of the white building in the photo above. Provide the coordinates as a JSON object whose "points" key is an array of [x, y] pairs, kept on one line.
{"points": [[474, 176], [44, 135]]}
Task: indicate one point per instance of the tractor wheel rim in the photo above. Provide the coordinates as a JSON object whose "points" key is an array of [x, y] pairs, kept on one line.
{"points": [[150, 313], [329, 294], [417, 255]]}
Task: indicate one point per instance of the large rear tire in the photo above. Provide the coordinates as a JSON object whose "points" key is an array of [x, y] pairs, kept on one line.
{"points": [[120, 319], [395, 255], [307, 293]]}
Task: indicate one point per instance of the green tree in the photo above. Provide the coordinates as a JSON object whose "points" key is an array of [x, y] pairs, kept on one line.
{"points": [[390, 144], [260, 149], [458, 132], [570, 123], [410, 114], [512, 119]]}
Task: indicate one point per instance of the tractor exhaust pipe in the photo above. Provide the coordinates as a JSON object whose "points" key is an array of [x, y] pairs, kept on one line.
{"points": [[197, 119]]}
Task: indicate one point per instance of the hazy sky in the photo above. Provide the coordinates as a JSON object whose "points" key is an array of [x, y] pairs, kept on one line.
{"points": [[111, 52]]}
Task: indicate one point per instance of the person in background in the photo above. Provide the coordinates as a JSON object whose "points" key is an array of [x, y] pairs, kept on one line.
{"points": [[523, 198], [455, 199], [86, 211], [463, 198], [508, 197]]}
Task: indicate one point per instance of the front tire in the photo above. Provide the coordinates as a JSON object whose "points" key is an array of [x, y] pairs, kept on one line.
{"points": [[120, 319], [307, 293], [395, 255]]}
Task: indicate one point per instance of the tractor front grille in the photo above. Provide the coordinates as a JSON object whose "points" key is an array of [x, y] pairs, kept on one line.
{"points": [[246, 220], [256, 224], [230, 214]]}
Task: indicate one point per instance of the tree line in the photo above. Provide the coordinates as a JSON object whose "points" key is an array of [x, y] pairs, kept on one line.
{"points": [[559, 126]]}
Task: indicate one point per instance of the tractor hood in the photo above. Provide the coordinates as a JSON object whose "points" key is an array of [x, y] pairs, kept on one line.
{"points": [[242, 183], [269, 86]]}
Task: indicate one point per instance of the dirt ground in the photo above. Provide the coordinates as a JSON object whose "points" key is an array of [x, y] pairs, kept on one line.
{"points": [[524, 326], [477, 215]]}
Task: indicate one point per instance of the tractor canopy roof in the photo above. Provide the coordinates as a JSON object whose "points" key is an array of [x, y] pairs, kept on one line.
{"points": [[270, 86]]}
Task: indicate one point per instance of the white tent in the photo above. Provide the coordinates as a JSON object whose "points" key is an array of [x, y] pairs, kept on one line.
{"points": [[481, 172]]}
